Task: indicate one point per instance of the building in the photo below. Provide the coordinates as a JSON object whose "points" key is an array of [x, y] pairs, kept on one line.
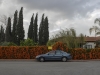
{"points": [[90, 42]]}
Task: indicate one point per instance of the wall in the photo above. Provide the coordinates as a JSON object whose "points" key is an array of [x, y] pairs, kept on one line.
{"points": [[89, 45]]}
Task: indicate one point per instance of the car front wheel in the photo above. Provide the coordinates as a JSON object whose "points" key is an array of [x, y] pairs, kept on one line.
{"points": [[64, 59], [41, 59]]}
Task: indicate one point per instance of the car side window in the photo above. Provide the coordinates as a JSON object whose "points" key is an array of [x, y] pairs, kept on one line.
{"points": [[51, 52], [58, 52]]}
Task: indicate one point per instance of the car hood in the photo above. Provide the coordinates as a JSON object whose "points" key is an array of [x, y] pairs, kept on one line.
{"points": [[41, 55]]}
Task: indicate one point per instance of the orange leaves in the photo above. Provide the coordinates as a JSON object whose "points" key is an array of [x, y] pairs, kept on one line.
{"points": [[79, 53], [30, 52], [59, 45], [18, 52], [85, 54]]}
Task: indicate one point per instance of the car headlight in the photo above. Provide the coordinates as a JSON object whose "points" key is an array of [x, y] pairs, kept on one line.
{"points": [[38, 56]]}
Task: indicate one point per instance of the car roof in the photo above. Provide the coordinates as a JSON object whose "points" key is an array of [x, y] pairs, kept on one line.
{"points": [[59, 50]]}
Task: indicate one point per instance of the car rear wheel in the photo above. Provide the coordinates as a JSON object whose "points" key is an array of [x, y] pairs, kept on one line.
{"points": [[41, 59], [64, 59]]}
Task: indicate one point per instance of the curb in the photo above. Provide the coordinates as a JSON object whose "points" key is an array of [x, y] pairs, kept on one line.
{"points": [[36, 60], [17, 60]]}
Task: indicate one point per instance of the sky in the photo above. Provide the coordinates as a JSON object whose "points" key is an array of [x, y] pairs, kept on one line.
{"points": [[62, 14]]}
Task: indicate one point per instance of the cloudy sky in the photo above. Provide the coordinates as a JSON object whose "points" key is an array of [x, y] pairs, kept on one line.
{"points": [[62, 14]]}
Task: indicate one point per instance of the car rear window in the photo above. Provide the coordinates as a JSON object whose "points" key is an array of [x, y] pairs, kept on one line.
{"points": [[58, 52]]}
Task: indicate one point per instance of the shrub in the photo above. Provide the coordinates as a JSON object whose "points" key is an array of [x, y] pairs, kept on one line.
{"points": [[11, 44], [50, 43], [60, 45], [4, 44], [27, 42]]}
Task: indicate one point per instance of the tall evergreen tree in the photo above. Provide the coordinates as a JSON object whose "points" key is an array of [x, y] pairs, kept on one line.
{"points": [[14, 31], [46, 31], [35, 29], [8, 35], [41, 30], [2, 34], [30, 29], [20, 29]]}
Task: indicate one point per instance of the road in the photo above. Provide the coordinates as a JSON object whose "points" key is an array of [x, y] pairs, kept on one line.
{"points": [[31, 67]]}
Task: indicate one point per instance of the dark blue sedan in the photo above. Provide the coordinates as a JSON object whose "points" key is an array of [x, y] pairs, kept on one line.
{"points": [[54, 55]]}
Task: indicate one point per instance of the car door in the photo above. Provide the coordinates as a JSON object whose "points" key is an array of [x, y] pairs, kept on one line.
{"points": [[58, 55], [50, 55]]}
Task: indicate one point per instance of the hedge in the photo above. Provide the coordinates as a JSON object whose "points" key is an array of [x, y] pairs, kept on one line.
{"points": [[30, 52], [78, 53], [21, 52]]}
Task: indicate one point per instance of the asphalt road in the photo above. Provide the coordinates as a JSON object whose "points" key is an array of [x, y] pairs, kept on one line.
{"points": [[31, 67]]}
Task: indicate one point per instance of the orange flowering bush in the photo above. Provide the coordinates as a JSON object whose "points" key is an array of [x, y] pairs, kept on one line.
{"points": [[85, 54], [79, 53], [30, 52], [95, 53], [21, 52], [60, 45]]}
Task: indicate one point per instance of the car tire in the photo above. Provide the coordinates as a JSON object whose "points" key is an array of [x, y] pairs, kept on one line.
{"points": [[64, 59], [41, 59]]}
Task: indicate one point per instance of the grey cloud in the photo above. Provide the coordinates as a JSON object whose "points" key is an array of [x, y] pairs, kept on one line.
{"points": [[56, 10], [0, 2], [69, 8]]}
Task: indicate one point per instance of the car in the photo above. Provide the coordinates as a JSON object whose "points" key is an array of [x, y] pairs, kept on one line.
{"points": [[54, 55]]}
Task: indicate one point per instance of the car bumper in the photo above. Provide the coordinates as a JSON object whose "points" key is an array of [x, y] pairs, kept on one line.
{"points": [[69, 57]]}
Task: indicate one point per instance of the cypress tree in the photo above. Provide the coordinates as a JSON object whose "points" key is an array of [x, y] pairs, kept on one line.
{"points": [[8, 31], [14, 31], [30, 29], [41, 30], [20, 29], [46, 31], [35, 29], [2, 34]]}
